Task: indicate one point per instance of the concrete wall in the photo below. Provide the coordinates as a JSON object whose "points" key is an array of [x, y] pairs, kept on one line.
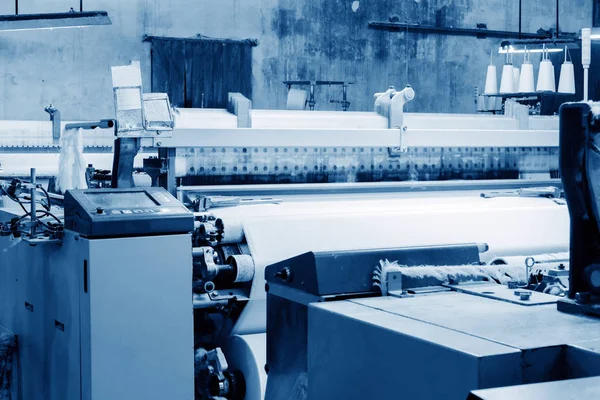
{"points": [[299, 39]]}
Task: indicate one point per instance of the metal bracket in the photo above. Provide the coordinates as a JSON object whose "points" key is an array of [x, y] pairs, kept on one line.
{"points": [[402, 148], [503, 293], [34, 241], [550, 192], [204, 203]]}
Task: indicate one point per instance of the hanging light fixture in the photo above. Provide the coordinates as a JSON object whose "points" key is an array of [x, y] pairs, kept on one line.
{"points": [[71, 19], [510, 49]]}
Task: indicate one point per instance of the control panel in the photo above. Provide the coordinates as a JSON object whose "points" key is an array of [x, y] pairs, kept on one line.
{"points": [[101, 213]]}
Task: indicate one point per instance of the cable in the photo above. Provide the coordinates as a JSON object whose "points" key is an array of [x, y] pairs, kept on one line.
{"points": [[49, 214], [49, 206], [16, 200], [44, 214]]}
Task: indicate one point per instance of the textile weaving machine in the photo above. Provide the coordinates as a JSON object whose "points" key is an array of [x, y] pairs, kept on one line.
{"points": [[348, 247]]}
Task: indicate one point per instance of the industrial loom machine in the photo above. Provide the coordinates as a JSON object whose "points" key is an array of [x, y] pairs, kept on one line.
{"points": [[251, 254]]}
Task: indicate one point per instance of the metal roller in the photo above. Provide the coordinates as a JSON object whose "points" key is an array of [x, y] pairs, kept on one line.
{"points": [[231, 232], [243, 265]]}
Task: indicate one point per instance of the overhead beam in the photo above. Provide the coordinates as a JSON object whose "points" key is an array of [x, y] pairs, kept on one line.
{"points": [[477, 32]]}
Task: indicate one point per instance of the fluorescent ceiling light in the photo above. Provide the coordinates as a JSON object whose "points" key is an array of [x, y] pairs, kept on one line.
{"points": [[512, 50], [54, 20]]}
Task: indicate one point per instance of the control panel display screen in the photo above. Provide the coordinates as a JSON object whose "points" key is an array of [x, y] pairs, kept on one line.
{"points": [[121, 200]]}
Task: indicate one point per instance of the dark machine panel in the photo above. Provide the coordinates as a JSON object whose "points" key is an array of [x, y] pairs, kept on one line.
{"points": [[336, 273], [96, 213]]}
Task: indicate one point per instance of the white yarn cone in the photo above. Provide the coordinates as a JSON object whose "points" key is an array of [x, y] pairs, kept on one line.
{"points": [[546, 78], [491, 80], [516, 78], [481, 106], [566, 83], [507, 84], [498, 106], [491, 103], [526, 80]]}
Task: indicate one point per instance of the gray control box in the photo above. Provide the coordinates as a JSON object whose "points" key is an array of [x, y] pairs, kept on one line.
{"points": [[101, 213]]}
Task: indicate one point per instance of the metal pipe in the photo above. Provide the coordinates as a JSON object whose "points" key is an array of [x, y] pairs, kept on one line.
{"points": [[16, 7], [520, 17], [586, 82], [557, 19], [102, 124], [482, 33], [33, 208], [80, 5]]}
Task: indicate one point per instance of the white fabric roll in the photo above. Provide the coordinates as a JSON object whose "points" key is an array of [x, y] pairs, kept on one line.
{"points": [[296, 99], [248, 354], [510, 226]]}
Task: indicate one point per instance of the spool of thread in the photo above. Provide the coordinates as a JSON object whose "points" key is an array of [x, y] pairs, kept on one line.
{"points": [[546, 82], [481, 104], [491, 80], [526, 80], [498, 105], [566, 83], [516, 77], [507, 84], [546, 78]]}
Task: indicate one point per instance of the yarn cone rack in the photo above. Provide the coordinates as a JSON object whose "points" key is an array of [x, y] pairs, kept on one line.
{"points": [[518, 82]]}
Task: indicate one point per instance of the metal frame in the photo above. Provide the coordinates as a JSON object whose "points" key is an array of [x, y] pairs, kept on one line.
{"points": [[251, 137], [17, 6], [258, 137], [311, 99], [378, 189], [71, 19], [478, 32]]}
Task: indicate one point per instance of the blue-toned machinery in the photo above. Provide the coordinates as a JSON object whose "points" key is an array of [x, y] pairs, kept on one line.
{"points": [[81, 306], [428, 337], [424, 256]]}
